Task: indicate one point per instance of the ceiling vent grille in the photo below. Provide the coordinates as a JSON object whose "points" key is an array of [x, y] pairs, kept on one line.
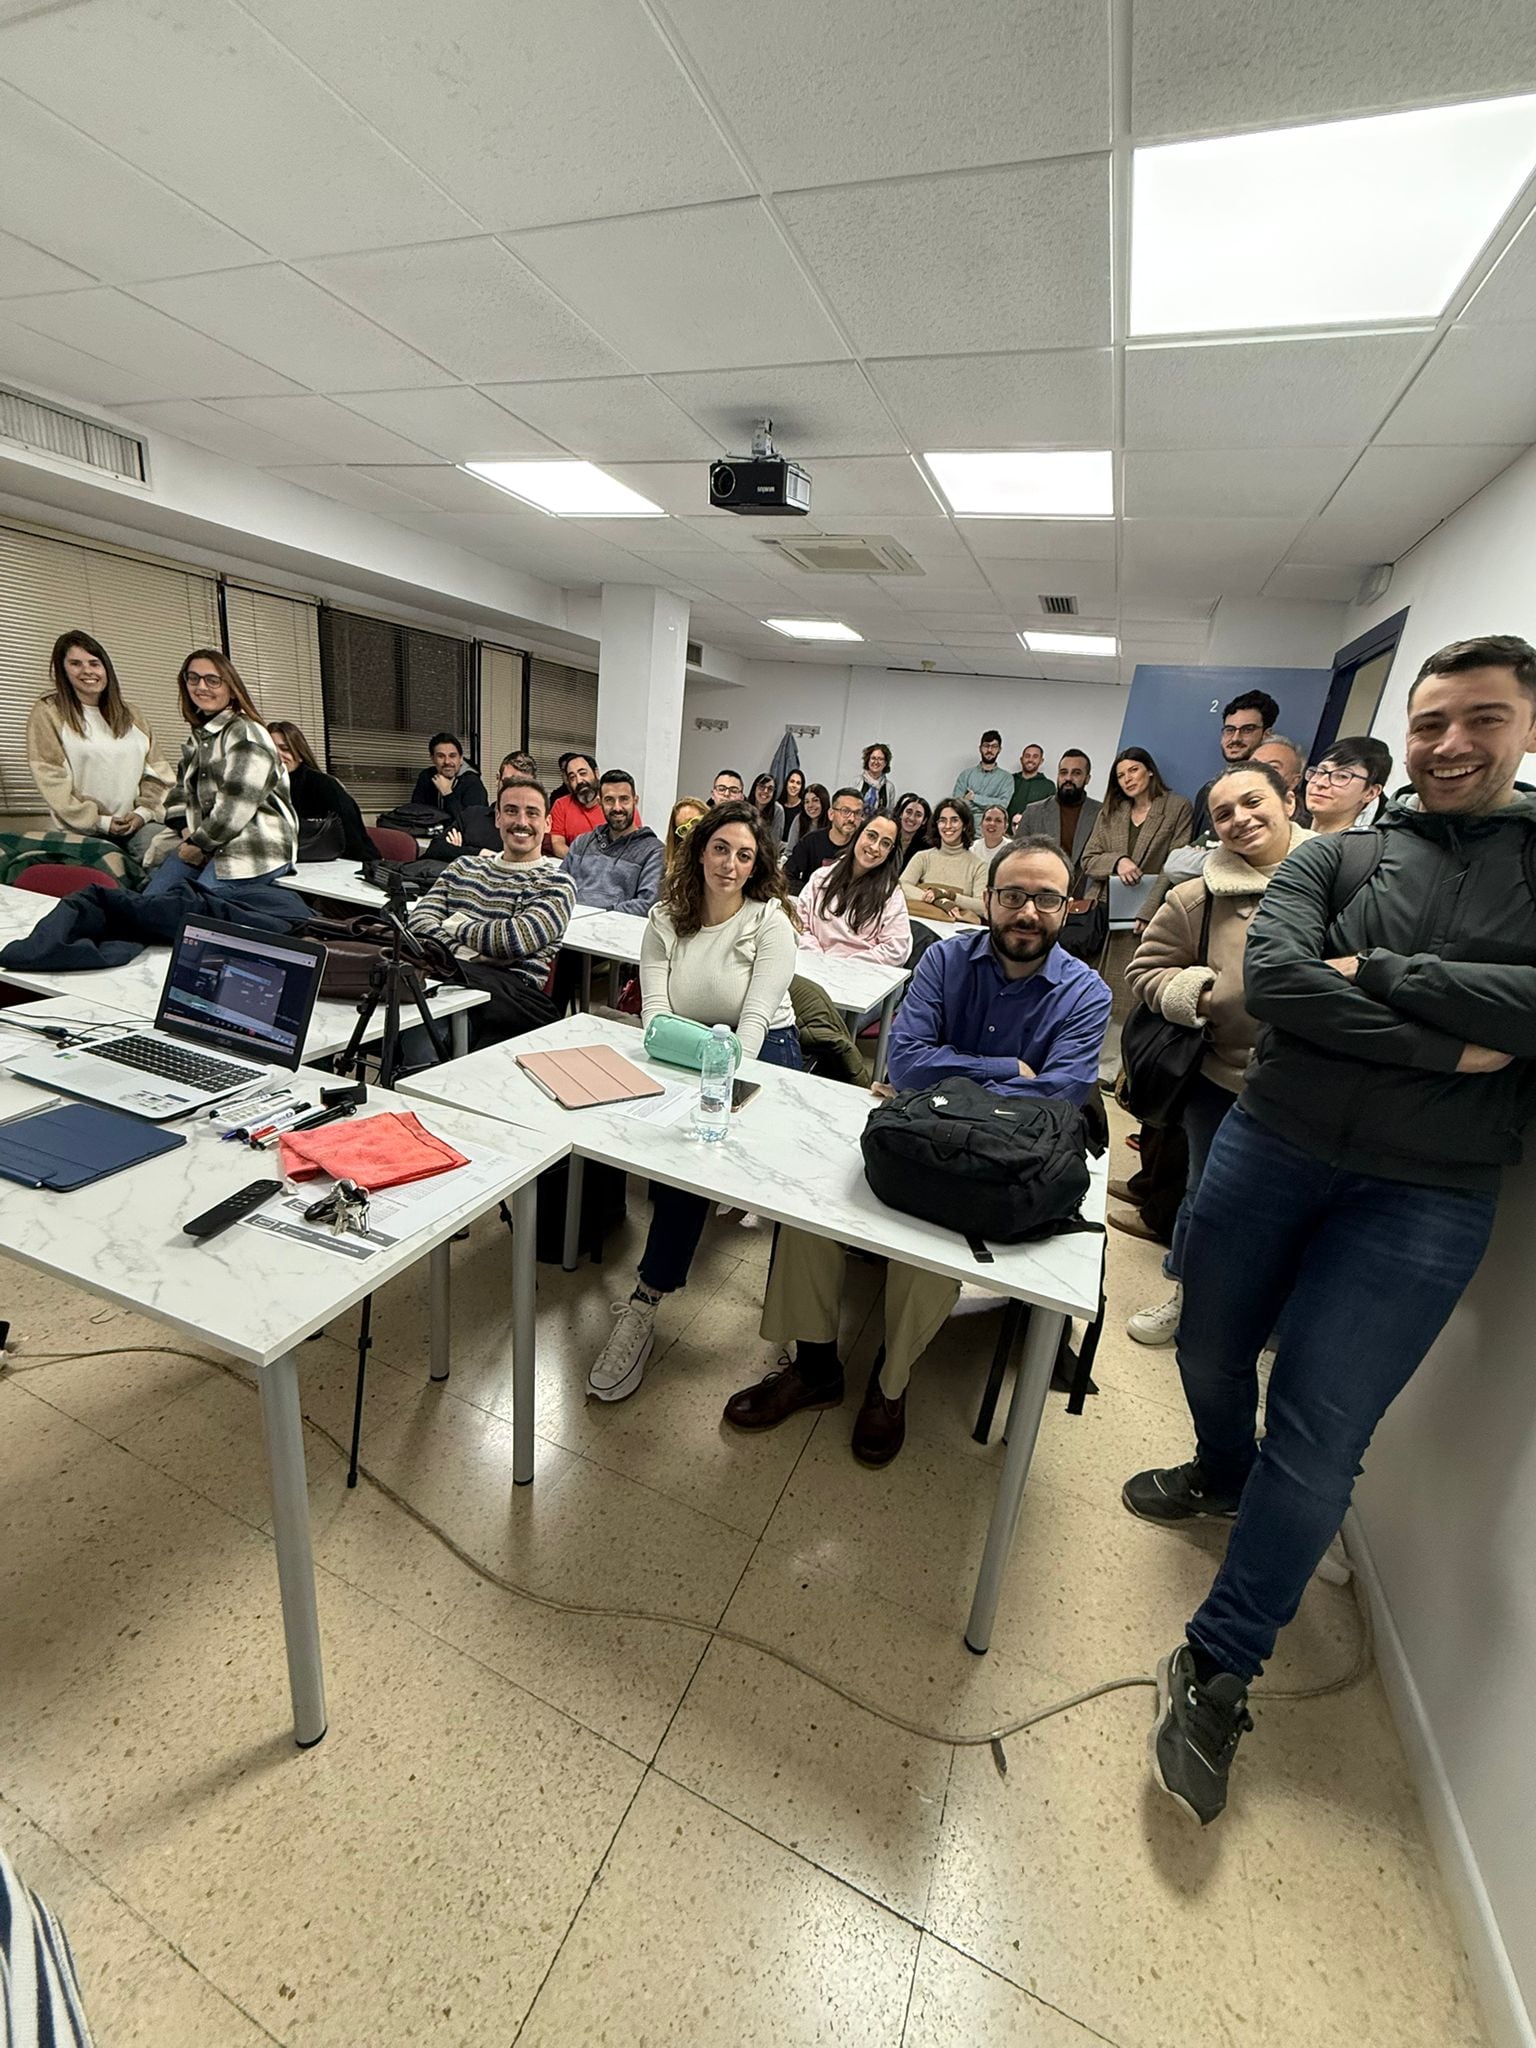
{"points": [[853, 554], [694, 656], [33, 423], [1060, 607]]}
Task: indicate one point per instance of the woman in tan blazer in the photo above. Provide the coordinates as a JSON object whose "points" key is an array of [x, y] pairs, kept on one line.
{"points": [[1140, 825]]}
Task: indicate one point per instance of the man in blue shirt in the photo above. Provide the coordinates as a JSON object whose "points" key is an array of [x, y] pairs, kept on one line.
{"points": [[1005, 1006]]}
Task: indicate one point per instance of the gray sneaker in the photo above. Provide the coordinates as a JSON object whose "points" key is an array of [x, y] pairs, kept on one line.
{"points": [[1196, 1733], [619, 1367]]}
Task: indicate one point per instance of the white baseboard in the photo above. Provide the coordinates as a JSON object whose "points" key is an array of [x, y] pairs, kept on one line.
{"points": [[1509, 2022]]}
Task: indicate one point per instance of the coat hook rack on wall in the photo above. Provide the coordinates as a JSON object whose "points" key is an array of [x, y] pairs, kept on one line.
{"points": [[711, 725]]}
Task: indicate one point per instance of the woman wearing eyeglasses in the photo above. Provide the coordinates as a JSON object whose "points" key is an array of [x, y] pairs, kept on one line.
{"points": [[241, 825], [1348, 781]]}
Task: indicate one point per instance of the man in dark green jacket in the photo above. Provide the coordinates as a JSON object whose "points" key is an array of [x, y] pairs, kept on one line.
{"points": [[1354, 1183]]}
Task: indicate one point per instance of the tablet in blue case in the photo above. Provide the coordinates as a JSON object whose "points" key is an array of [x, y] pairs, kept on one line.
{"points": [[77, 1143]]}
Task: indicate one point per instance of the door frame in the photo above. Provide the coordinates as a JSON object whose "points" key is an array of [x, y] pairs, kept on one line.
{"points": [[1382, 638]]}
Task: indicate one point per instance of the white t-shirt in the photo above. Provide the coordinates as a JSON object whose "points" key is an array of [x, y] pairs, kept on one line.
{"points": [[106, 768]]}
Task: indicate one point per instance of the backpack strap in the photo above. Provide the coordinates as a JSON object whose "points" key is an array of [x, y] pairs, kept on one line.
{"points": [[1359, 858], [1528, 861], [1203, 957]]}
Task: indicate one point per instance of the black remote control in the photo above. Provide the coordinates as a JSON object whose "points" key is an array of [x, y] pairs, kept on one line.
{"points": [[212, 1221]]}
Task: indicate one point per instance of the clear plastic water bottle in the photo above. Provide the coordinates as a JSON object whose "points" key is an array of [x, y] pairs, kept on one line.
{"points": [[717, 1069]]}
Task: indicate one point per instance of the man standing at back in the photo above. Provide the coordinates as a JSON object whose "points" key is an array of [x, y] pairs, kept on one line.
{"points": [[1354, 1183], [1067, 816], [1029, 785], [1245, 723], [985, 783], [844, 817]]}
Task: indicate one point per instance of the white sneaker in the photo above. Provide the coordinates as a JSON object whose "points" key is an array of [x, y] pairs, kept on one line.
{"points": [[620, 1366], [1158, 1325]]}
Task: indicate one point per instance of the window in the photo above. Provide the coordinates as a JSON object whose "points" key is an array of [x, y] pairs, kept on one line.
{"points": [[562, 715], [275, 643], [387, 689], [147, 615]]}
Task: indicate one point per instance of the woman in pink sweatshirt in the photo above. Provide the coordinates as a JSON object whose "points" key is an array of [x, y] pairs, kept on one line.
{"points": [[855, 907]]}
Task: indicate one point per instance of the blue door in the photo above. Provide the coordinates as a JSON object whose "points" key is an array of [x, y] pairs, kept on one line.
{"points": [[1175, 713]]}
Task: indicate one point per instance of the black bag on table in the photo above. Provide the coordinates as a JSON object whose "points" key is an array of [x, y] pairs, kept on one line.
{"points": [[322, 839], [990, 1166], [1160, 1059], [1086, 932], [420, 820]]}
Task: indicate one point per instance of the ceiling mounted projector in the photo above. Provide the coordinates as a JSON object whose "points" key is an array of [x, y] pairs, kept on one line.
{"points": [[764, 482]]}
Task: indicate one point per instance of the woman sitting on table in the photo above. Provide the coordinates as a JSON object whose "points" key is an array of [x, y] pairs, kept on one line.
{"points": [[1141, 823], [854, 909], [914, 826], [92, 756], [947, 881], [815, 806], [763, 800], [994, 828], [790, 798], [720, 948], [241, 826], [317, 795]]}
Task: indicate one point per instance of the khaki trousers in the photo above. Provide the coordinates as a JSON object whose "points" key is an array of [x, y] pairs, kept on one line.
{"points": [[805, 1290]]}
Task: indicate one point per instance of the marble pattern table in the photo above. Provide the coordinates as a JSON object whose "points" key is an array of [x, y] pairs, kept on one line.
{"points": [[793, 1156], [337, 881], [257, 1296]]}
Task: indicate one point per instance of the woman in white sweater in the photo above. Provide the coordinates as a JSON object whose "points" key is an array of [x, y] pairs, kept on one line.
{"points": [[854, 909], [719, 948], [947, 881], [92, 756]]}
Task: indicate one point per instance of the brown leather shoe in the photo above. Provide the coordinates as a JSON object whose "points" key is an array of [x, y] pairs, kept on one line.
{"points": [[1120, 1191], [778, 1395], [881, 1427], [1131, 1222]]}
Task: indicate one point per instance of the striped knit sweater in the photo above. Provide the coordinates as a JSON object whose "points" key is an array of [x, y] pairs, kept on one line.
{"points": [[488, 909], [39, 1991]]}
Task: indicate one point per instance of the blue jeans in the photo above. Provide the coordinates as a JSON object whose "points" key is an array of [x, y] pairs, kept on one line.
{"points": [[175, 873], [678, 1217], [1203, 1112], [1368, 1271]]}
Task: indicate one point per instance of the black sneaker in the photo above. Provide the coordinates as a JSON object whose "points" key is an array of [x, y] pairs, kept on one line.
{"points": [[1196, 1733], [1176, 1494]]}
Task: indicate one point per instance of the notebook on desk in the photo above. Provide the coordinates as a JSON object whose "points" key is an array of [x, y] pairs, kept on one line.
{"points": [[584, 1076], [75, 1144]]}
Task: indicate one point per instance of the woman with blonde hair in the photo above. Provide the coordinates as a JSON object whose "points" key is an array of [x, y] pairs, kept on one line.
{"points": [[92, 756], [241, 826], [686, 813]]}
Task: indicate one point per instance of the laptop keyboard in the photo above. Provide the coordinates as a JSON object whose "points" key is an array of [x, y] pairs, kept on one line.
{"points": [[173, 1063]]}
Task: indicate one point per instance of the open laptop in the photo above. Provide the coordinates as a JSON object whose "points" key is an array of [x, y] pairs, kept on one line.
{"points": [[228, 991]]}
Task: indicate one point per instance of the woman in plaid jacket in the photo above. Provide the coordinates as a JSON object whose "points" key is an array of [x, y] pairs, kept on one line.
{"points": [[241, 825]]}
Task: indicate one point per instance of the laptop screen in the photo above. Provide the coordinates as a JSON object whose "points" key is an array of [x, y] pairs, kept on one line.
{"points": [[240, 990]]}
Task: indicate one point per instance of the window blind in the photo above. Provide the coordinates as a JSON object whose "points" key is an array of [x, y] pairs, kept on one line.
{"points": [[274, 641], [148, 618], [562, 715], [388, 688]]}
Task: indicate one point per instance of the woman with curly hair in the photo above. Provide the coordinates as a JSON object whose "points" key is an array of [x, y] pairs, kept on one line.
{"points": [[720, 948], [877, 780]]}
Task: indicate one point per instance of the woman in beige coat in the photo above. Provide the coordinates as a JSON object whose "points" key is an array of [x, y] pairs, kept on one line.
{"points": [[1140, 825], [1251, 816], [93, 757]]}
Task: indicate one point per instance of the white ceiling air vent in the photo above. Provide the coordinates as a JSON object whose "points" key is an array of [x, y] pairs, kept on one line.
{"points": [[852, 554], [1061, 607], [48, 429]]}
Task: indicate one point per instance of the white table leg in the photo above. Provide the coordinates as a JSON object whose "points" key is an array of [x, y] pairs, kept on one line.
{"points": [[1024, 1413], [439, 1289], [283, 1427], [525, 1227], [887, 1012], [570, 1250], [458, 1033]]}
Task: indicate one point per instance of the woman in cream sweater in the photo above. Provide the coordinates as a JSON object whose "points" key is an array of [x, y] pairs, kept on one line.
{"points": [[1251, 815], [719, 948], [92, 756], [946, 881]]}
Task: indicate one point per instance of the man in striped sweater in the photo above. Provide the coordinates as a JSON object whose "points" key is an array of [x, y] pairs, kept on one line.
{"points": [[504, 914]]}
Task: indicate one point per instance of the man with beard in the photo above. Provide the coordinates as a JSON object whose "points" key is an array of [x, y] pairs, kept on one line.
{"points": [[985, 783], [578, 808], [1068, 816], [1245, 724], [1004, 1006], [1029, 785]]}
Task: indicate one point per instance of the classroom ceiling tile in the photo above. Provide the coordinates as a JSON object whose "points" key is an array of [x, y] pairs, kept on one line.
{"points": [[1047, 398], [454, 421], [817, 409], [1202, 65], [328, 430], [681, 488], [54, 368], [271, 313], [291, 166], [870, 487], [473, 308], [1478, 386], [982, 260], [206, 427], [1027, 581], [1041, 540], [25, 269], [354, 487], [1393, 497], [702, 288], [1203, 544], [121, 331], [1228, 483], [1321, 392], [609, 419], [1509, 290], [524, 114], [65, 193], [990, 82], [1312, 583], [440, 484]]}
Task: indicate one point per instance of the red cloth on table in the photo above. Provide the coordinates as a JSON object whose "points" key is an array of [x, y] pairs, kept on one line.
{"points": [[377, 1152]]}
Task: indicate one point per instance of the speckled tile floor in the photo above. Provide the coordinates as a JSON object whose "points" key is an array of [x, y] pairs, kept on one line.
{"points": [[529, 1827]]}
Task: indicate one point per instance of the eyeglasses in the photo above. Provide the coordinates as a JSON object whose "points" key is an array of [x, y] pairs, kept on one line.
{"points": [[200, 682], [1046, 901], [1240, 732], [1337, 778]]}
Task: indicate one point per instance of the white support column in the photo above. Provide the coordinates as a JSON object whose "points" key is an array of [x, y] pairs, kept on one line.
{"points": [[641, 664]]}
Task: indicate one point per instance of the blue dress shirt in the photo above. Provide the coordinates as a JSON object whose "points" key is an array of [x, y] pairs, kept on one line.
{"points": [[962, 1015]]}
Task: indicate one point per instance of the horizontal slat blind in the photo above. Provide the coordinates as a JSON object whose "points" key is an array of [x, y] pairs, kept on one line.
{"points": [[388, 688], [148, 618], [562, 715], [275, 643]]}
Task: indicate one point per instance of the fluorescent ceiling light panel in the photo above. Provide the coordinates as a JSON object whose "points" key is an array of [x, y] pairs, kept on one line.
{"points": [[1336, 223], [1071, 643], [570, 490], [813, 629], [1038, 484]]}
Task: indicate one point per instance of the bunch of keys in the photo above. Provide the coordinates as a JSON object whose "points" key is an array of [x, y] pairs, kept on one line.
{"points": [[344, 1208]]}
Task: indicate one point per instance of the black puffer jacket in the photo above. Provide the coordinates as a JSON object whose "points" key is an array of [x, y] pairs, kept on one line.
{"points": [[1363, 1075]]}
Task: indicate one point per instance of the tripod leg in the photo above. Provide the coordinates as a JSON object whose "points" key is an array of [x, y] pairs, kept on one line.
{"points": [[364, 1345]]}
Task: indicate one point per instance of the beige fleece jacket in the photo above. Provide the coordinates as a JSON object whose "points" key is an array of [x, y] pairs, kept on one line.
{"points": [[76, 809]]}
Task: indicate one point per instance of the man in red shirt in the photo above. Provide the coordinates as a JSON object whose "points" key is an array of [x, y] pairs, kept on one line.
{"points": [[580, 808]]}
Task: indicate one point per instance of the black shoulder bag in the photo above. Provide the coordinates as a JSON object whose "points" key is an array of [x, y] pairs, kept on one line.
{"points": [[1160, 1058]]}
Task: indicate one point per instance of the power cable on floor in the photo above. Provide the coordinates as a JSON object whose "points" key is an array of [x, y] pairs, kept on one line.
{"points": [[992, 1738]]}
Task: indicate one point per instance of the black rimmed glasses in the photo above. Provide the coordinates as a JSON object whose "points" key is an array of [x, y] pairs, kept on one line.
{"points": [[1046, 901]]}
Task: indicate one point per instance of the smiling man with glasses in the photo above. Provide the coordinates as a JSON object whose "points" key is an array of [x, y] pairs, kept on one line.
{"points": [[1004, 1006], [1245, 724]]}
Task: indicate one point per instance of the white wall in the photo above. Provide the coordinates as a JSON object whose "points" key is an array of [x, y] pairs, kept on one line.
{"points": [[1447, 1506], [1264, 632]]}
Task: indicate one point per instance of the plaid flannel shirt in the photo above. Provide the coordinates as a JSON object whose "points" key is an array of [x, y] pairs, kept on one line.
{"points": [[235, 790]]}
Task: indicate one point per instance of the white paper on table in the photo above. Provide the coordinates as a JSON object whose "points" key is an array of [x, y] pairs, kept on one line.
{"points": [[394, 1215], [13, 1044], [674, 1105]]}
